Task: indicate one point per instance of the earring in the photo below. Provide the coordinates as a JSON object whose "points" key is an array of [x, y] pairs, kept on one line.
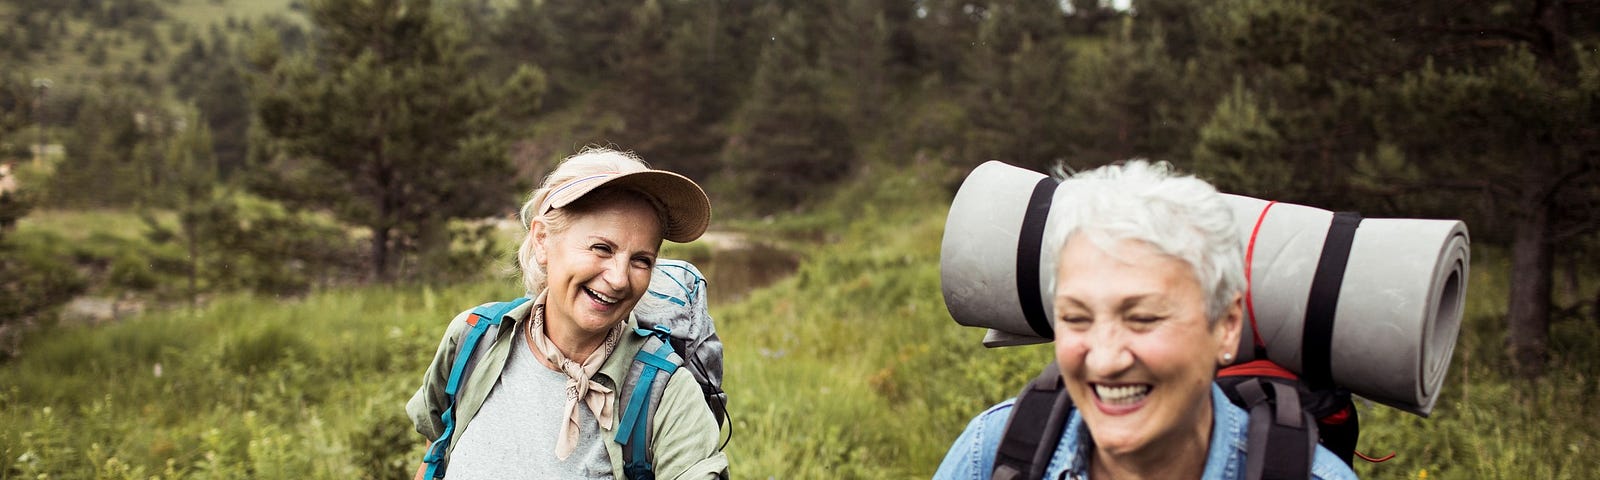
{"points": [[1227, 358]]}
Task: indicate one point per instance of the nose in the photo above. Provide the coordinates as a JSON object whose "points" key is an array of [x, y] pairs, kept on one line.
{"points": [[616, 274], [1107, 355]]}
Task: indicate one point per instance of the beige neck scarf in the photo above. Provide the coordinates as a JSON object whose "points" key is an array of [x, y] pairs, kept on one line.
{"points": [[580, 383]]}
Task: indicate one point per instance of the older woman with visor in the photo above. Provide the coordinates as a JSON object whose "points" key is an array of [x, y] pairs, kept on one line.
{"points": [[543, 401], [1148, 290]]}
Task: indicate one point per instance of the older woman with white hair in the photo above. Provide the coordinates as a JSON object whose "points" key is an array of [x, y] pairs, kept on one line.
{"points": [[1148, 290], [543, 400]]}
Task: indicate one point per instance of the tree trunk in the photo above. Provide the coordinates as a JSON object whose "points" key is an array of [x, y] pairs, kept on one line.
{"points": [[380, 253], [194, 255], [1594, 307], [1528, 315]]}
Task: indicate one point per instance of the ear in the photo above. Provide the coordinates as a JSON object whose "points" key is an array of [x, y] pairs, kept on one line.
{"points": [[541, 236], [1230, 326]]}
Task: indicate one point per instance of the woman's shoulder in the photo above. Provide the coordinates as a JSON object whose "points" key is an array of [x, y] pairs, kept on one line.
{"points": [[1327, 466], [515, 309], [1231, 439]]}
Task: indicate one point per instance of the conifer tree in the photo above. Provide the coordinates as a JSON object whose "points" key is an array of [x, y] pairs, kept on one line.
{"points": [[387, 124], [788, 139], [1455, 110], [675, 82], [193, 167], [1017, 104]]}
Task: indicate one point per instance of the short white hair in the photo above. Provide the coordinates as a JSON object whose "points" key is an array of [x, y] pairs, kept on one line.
{"points": [[1179, 215]]}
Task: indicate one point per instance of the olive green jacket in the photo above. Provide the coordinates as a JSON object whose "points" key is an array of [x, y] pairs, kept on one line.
{"points": [[683, 433]]}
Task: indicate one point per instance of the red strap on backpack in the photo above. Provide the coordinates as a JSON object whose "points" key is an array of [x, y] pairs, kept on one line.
{"points": [[1259, 368]]}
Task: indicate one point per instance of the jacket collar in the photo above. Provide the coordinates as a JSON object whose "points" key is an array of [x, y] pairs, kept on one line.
{"points": [[1227, 445]]}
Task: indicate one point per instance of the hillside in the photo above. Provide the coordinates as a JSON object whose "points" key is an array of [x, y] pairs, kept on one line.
{"points": [[849, 368]]}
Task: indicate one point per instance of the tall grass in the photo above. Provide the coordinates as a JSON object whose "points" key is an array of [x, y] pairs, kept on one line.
{"points": [[244, 388], [850, 368]]}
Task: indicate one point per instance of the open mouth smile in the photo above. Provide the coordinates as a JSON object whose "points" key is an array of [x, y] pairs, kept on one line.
{"points": [[600, 297], [1122, 395]]}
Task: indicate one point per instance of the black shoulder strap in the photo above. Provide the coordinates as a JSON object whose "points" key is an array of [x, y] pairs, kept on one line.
{"points": [[1283, 437], [1034, 428]]}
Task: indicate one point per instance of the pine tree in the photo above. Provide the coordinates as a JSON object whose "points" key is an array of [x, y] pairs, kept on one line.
{"points": [[1497, 107], [1448, 109], [787, 138], [1017, 102], [193, 168], [387, 123], [1520, 135]]}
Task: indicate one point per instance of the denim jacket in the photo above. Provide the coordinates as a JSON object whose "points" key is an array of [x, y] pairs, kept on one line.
{"points": [[972, 455]]}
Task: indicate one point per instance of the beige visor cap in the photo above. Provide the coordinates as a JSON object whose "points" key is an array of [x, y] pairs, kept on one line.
{"points": [[684, 203]]}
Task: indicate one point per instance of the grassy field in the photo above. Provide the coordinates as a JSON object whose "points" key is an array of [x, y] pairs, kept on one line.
{"points": [[850, 368]]}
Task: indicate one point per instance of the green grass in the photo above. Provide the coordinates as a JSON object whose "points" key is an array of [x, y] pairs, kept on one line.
{"points": [[203, 13], [80, 225], [246, 387], [850, 368]]}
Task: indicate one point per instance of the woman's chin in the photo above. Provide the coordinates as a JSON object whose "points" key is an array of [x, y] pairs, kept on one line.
{"points": [[596, 325], [1118, 442], [1120, 433]]}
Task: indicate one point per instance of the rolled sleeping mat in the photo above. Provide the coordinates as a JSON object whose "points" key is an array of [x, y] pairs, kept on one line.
{"points": [[1388, 299], [991, 271], [1384, 327]]}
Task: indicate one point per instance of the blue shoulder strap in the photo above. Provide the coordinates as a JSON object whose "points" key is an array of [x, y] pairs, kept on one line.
{"points": [[636, 418], [488, 316]]}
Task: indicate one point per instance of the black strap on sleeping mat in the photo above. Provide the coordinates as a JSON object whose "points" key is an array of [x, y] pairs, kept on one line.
{"points": [[1317, 337], [1029, 245]]}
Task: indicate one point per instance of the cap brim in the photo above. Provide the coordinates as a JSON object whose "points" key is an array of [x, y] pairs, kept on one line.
{"points": [[686, 207]]}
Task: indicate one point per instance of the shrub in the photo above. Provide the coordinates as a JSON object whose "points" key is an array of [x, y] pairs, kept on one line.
{"points": [[36, 274], [263, 348]]}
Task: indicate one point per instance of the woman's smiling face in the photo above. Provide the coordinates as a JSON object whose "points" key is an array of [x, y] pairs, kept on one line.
{"points": [[599, 267], [1134, 345]]}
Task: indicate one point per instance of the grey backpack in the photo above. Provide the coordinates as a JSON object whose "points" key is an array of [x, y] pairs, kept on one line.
{"points": [[678, 332], [677, 300]]}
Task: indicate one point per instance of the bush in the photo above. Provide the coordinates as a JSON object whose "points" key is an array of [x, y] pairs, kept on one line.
{"points": [[262, 349], [382, 446], [36, 274], [242, 242]]}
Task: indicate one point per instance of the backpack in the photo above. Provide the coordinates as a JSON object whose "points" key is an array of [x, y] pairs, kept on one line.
{"points": [[674, 318]]}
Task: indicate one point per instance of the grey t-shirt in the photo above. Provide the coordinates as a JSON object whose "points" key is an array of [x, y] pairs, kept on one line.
{"points": [[514, 434]]}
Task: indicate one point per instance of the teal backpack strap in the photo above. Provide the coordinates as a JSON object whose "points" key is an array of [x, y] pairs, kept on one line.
{"points": [[485, 324], [633, 430]]}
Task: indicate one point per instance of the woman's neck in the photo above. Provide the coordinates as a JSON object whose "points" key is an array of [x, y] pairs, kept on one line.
{"points": [[573, 343], [575, 348], [1183, 456]]}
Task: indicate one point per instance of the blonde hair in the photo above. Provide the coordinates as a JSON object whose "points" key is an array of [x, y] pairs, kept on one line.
{"points": [[587, 162]]}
